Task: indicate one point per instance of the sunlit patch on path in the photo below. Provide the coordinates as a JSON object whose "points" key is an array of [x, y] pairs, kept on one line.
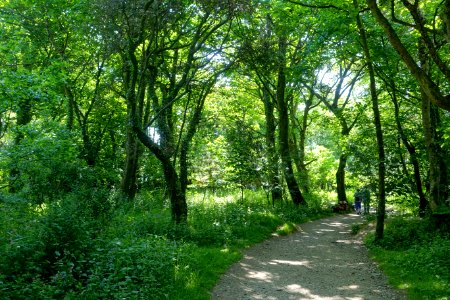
{"points": [[320, 261]]}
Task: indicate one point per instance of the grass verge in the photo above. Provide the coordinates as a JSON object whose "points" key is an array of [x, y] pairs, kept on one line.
{"points": [[415, 257]]}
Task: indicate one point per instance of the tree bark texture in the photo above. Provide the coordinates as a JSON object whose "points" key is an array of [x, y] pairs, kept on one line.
{"points": [[129, 178], [192, 126], [298, 146], [340, 173], [302, 169], [283, 128]]}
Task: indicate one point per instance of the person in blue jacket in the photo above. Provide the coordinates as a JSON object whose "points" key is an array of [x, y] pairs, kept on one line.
{"points": [[358, 202]]}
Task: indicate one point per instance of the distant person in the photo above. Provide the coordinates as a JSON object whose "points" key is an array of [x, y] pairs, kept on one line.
{"points": [[365, 195], [358, 202]]}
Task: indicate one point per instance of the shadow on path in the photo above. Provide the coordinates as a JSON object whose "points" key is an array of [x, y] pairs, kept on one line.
{"points": [[320, 261]]}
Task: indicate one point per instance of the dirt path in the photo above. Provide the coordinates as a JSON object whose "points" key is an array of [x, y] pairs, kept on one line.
{"points": [[321, 261]]}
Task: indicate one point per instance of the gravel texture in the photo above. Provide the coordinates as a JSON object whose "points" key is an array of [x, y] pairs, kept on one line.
{"points": [[320, 261]]}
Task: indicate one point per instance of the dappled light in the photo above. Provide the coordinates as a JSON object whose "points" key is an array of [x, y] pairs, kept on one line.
{"points": [[290, 263], [261, 275], [332, 266]]}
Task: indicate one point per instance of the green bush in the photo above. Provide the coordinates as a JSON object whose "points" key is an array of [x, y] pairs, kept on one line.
{"points": [[45, 163], [46, 250], [47, 166], [402, 233], [131, 269]]}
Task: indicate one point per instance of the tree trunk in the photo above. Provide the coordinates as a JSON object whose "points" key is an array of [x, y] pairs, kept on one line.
{"points": [[129, 177], [298, 147], [438, 176], [304, 176], [272, 154], [423, 202], [340, 178], [346, 128], [177, 197], [269, 100], [89, 152], [186, 141], [379, 231], [283, 128], [340, 173]]}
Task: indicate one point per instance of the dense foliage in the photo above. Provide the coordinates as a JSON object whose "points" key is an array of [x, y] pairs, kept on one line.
{"points": [[67, 250], [124, 125]]}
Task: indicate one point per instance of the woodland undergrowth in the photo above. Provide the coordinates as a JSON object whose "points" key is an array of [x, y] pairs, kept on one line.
{"points": [[88, 246], [414, 253]]}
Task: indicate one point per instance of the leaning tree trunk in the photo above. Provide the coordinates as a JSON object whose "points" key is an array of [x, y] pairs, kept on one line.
{"points": [[428, 86], [283, 128], [190, 132], [174, 186], [381, 209]]}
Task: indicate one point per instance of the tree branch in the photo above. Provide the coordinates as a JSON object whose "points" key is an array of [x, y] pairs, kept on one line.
{"points": [[323, 6], [430, 88]]}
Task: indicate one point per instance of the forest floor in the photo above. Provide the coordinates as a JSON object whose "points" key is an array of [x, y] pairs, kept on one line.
{"points": [[322, 260]]}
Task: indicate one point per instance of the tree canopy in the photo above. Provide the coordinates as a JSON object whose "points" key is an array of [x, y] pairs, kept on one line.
{"points": [[111, 99], [127, 81]]}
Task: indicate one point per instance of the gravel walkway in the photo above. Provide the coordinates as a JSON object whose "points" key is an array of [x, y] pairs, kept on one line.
{"points": [[320, 261]]}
